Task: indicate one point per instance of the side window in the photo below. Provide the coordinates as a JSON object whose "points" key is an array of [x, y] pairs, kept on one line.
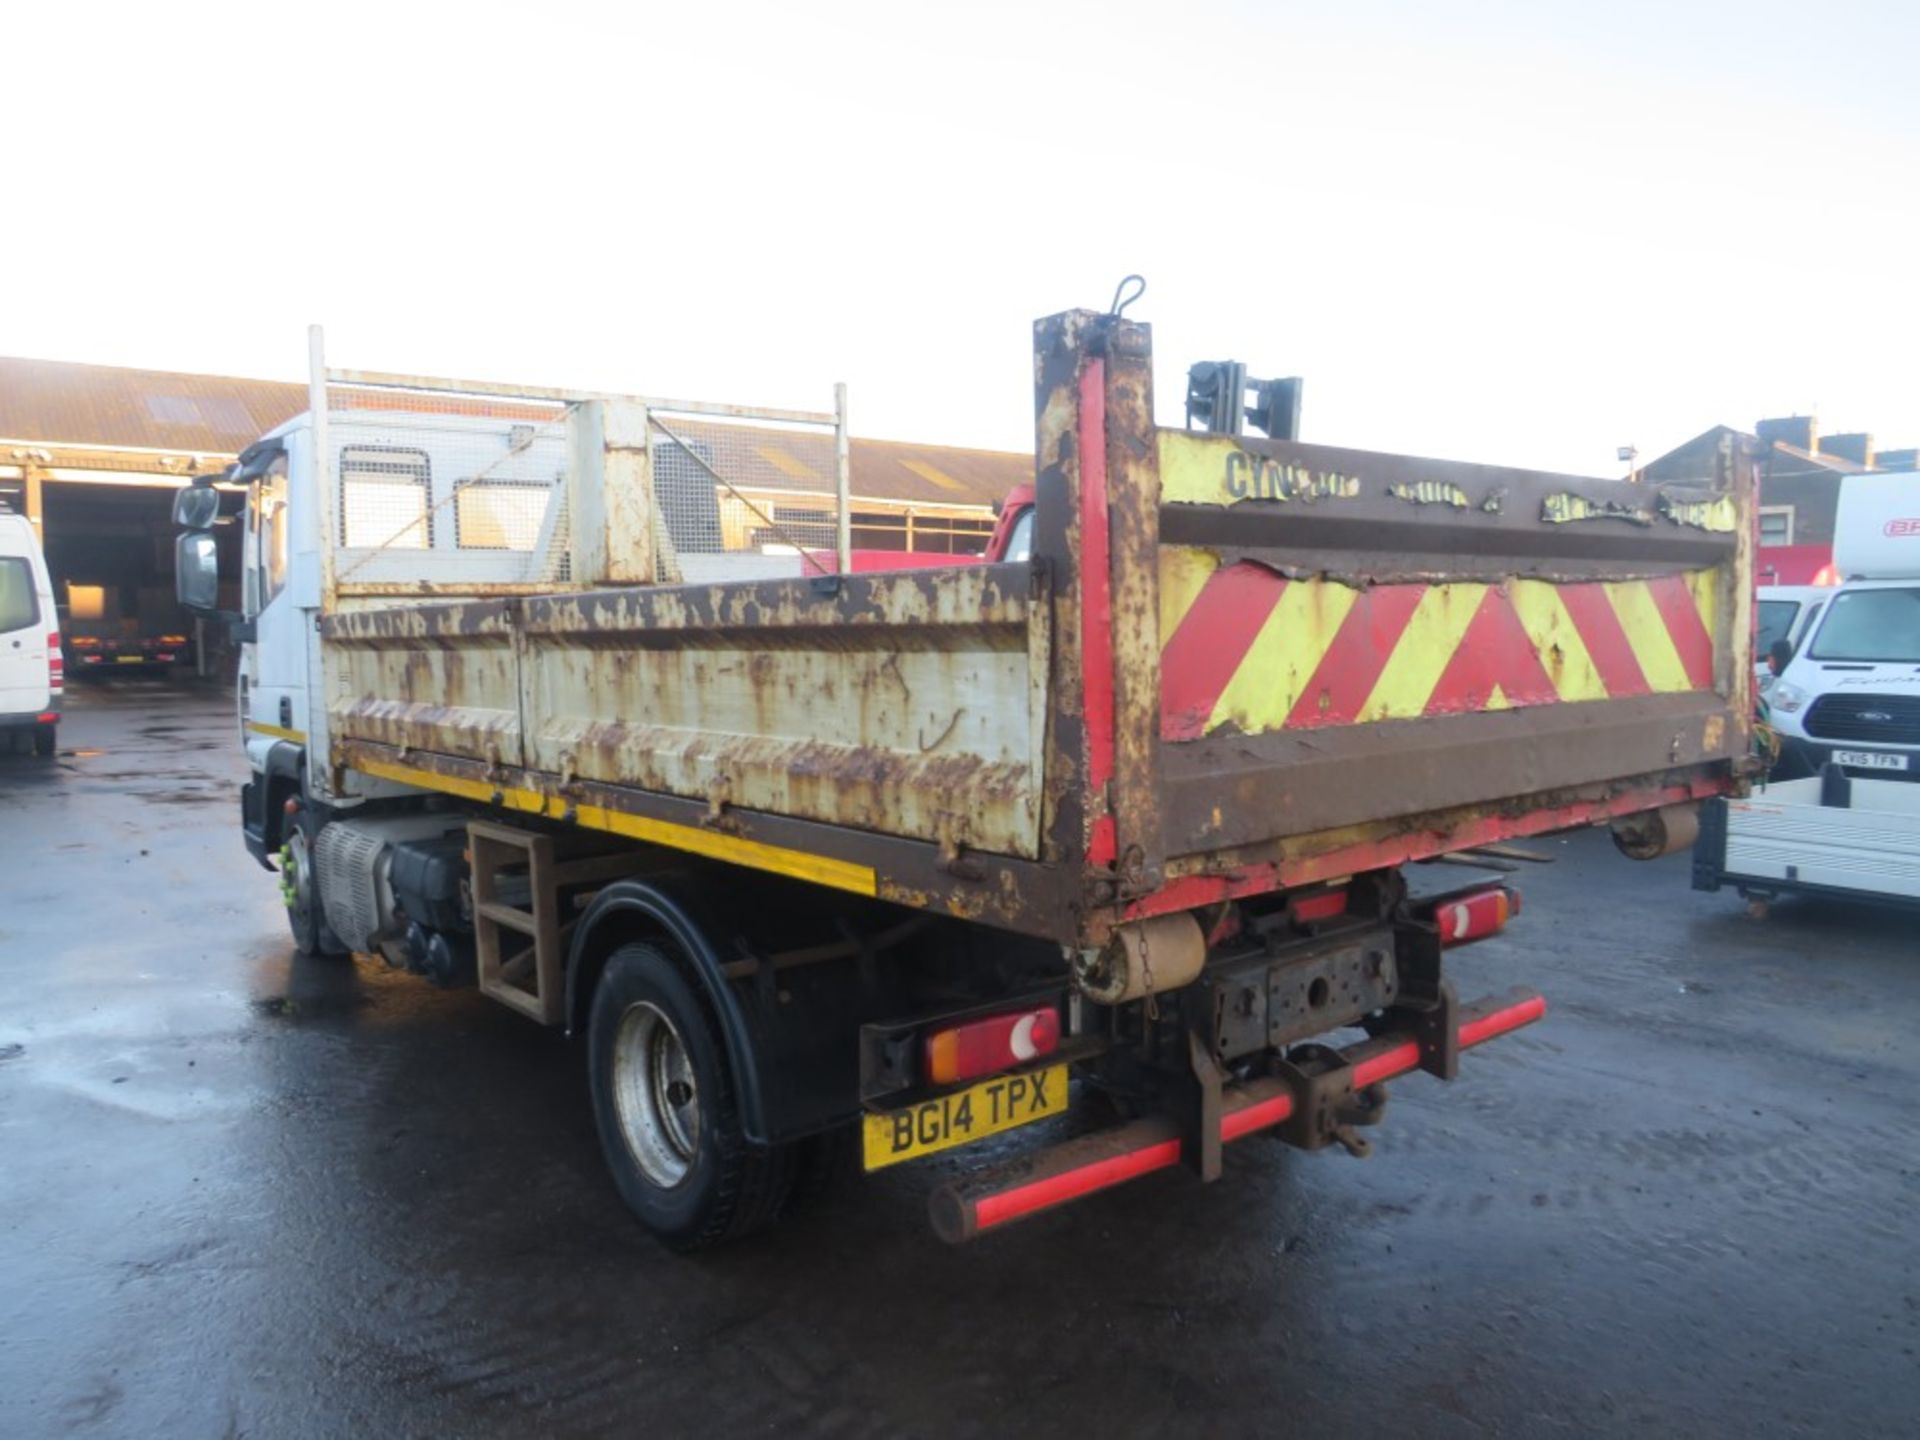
{"points": [[250, 568], [1020, 542], [498, 515], [273, 537], [384, 499], [19, 603]]}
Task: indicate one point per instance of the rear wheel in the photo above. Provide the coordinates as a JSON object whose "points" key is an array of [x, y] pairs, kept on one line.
{"points": [[300, 888], [44, 741], [665, 1102]]}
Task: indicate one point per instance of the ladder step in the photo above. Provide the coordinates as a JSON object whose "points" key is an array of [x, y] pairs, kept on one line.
{"points": [[511, 916]]}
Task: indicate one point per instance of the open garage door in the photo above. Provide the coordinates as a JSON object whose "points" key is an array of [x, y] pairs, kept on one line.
{"points": [[110, 551]]}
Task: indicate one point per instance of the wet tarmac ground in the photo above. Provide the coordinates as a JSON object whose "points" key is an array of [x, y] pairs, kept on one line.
{"points": [[243, 1194]]}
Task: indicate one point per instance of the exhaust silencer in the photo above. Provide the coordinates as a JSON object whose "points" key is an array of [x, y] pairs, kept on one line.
{"points": [[1148, 957], [1654, 833]]}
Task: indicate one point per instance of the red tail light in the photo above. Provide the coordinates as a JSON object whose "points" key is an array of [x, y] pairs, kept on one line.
{"points": [[56, 664], [1474, 917], [985, 1047]]}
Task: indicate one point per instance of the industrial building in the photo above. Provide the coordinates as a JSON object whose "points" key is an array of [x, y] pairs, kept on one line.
{"points": [[92, 454]]}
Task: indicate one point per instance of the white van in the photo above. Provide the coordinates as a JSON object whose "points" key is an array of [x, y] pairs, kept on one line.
{"points": [[1784, 612], [31, 667], [1851, 694]]}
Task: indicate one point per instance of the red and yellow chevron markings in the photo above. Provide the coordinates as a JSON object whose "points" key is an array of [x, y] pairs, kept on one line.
{"points": [[1246, 650]]}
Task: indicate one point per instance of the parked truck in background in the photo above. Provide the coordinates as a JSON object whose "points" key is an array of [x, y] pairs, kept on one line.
{"points": [[1840, 812], [117, 603], [1117, 818]]}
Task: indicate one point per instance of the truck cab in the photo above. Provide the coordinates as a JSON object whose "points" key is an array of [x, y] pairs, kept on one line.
{"points": [[1851, 694]]}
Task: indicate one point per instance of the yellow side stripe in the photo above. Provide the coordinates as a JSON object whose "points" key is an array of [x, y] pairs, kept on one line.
{"points": [[1646, 631], [1289, 648], [1425, 647], [1705, 585], [1556, 641], [1184, 572], [777, 859], [278, 732]]}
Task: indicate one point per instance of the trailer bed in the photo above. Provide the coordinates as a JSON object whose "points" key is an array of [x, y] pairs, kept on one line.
{"points": [[1783, 839], [1231, 666]]}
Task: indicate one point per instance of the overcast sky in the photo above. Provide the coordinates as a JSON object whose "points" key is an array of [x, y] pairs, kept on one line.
{"points": [[1516, 232]]}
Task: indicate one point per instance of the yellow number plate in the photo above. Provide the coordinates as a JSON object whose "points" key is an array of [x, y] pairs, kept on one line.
{"points": [[128, 659], [964, 1116]]}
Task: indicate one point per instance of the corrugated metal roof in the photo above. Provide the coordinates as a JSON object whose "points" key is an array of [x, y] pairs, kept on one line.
{"points": [[58, 402], [61, 403], [787, 459]]}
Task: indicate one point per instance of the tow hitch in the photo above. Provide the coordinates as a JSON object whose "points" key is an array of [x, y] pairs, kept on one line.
{"points": [[1317, 1096]]}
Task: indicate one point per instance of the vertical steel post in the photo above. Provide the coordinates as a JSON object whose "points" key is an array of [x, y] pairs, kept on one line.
{"points": [[34, 498], [842, 480], [326, 497]]}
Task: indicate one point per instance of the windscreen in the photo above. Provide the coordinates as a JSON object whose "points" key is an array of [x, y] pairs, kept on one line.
{"points": [[19, 606], [1871, 625], [1775, 623]]}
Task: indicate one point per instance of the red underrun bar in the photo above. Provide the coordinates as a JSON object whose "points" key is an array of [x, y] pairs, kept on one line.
{"points": [[1077, 1168]]}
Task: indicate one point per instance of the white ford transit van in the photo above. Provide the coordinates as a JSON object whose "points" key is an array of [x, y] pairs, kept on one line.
{"points": [[31, 666]]}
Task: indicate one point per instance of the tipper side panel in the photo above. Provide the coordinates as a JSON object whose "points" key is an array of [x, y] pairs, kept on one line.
{"points": [[908, 705], [1354, 659]]}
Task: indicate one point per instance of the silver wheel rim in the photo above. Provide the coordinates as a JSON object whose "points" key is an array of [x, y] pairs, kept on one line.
{"points": [[655, 1095], [297, 862]]}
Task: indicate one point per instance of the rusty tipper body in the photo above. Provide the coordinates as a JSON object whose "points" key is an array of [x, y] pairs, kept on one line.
{"points": [[897, 861]]}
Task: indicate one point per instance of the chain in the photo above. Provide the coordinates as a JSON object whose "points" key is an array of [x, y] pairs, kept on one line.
{"points": [[1146, 974]]}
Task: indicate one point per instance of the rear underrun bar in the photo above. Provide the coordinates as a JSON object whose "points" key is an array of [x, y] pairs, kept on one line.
{"points": [[966, 1208]]}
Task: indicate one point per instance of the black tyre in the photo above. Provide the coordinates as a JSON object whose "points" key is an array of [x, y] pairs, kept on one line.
{"points": [[300, 888], [665, 1103], [44, 741], [823, 1166]]}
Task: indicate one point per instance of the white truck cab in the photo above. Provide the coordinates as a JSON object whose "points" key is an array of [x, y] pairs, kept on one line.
{"points": [[1851, 694]]}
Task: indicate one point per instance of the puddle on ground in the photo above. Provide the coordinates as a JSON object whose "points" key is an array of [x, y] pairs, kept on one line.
{"points": [[311, 1007]]}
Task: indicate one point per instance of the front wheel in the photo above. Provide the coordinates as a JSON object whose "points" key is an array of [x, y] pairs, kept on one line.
{"points": [[665, 1102], [300, 888]]}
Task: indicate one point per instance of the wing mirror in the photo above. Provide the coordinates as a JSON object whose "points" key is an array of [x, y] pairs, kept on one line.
{"points": [[195, 507], [196, 571]]}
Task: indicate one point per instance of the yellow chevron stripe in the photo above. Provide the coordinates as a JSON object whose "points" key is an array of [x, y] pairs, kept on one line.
{"points": [[1184, 572], [1296, 637], [1647, 634], [1705, 585], [1432, 635], [1283, 656], [1555, 640]]}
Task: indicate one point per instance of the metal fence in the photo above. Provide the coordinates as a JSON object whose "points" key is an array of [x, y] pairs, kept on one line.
{"points": [[446, 486]]}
